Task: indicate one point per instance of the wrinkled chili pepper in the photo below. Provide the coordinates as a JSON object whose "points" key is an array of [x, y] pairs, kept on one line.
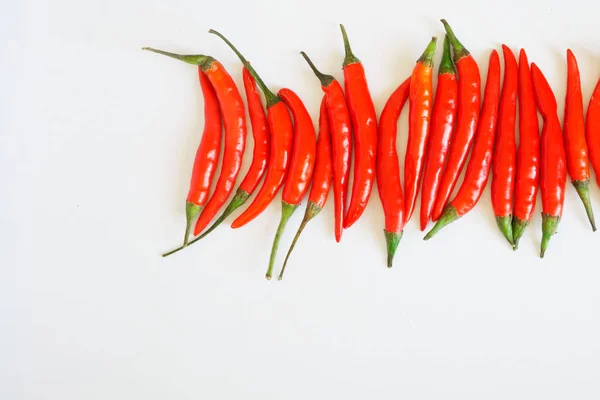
{"points": [[578, 161], [321, 181], [364, 122], [593, 130], [262, 138], [234, 118], [421, 104], [442, 127], [469, 94], [478, 170], [553, 159], [505, 153], [341, 142], [301, 165], [388, 170], [280, 125], [528, 157]]}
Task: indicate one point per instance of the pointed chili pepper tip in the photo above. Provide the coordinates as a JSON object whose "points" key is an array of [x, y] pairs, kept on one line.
{"points": [[448, 216], [549, 228], [459, 50], [427, 56], [392, 240], [583, 191], [349, 58], [505, 226]]}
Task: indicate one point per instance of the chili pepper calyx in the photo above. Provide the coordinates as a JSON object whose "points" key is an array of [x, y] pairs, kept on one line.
{"points": [[448, 216], [240, 198], [201, 60], [349, 58], [518, 228], [446, 65], [325, 79], [583, 191], [505, 226], [392, 240], [270, 97], [460, 51], [427, 56], [549, 228], [286, 212], [191, 212]]}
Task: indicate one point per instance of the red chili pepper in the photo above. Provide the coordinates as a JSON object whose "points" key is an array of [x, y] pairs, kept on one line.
{"points": [[388, 170], [341, 142], [421, 104], [593, 130], [528, 159], [301, 165], [505, 154], [232, 109], [364, 122], [321, 181], [553, 174], [469, 94], [262, 138], [578, 161], [442, 127], [280, 125], [478, 170]]}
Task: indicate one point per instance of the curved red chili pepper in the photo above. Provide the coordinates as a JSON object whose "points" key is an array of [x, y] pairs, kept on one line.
{"points": [[505, 154], [553, 161], [478, 170], [578, 161], [321, 181], [388, 170], [234, 118], [421, 104], [528, 157], [280, 125], [341, 142], [442, 127], [593, 130], [301, 166], [469, 94], [364, 122]]}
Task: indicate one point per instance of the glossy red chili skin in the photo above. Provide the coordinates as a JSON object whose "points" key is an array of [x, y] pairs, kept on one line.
{"points": [[323, 173], [469, 96], [364, 122], [260, 134], [442, 127], [593, 130], [303, 150], [234, 118], [280, 125], [553, 160], [388, 166], [528, 156], [478, 170], [207, 155], [505, 153]]}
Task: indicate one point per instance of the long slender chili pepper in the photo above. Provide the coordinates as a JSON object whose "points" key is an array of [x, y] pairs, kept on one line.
{"points": [[280, 125], [442, 127], [301, 166], [388, 170], [478, 170], [553, 160], [578, 161], [262, 138], [421, 104], [469, 94], [593, 130], [528, 157], [234, 118], [364, 122], [341, 142], [505, 154], [321, 181], [207, 156]]}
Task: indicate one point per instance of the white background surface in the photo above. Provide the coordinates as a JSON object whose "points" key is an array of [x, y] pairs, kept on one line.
{"points": [[96, 144]]}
